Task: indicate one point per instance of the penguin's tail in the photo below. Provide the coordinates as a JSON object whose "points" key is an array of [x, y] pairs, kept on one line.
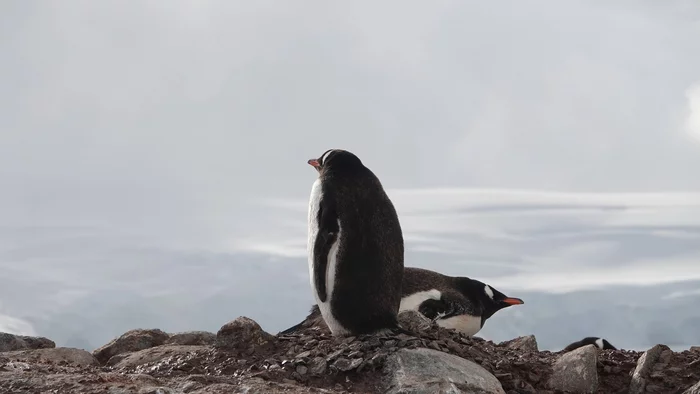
{"points": [[292, 329]]}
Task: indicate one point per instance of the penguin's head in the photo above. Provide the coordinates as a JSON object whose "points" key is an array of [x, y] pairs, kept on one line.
{"points": [[490, 299], [336, 160]]}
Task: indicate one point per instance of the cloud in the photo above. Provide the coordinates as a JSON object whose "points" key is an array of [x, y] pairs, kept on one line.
{"points": [[693, 120], [12, 325], [681, 294], [529, 239]]}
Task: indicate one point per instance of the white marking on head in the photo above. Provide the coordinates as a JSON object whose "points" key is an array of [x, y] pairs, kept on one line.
{"points": [[413, 301], [488, 291], [325, 156], [465, 324], [599, 342]]}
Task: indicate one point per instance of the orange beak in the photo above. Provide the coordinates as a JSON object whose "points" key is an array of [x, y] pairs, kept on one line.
{"points": [[513, 301], [313, 162]]}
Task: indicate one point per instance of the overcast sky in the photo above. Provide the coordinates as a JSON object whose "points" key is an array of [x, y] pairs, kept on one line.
{"points": [[155, 152]]}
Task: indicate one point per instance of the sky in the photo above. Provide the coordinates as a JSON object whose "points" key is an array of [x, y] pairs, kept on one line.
{"points": [[153, 158]]}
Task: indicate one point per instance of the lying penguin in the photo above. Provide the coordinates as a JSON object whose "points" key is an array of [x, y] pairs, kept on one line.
{"points": [[599, 342], [455, 302]]}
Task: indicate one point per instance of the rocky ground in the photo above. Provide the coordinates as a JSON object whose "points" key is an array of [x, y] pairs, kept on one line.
{"points": [[242, 358]]}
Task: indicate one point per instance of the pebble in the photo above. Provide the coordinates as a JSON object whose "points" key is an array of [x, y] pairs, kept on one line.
{"points": [[302, 370], [342, 364], [318, 366]]}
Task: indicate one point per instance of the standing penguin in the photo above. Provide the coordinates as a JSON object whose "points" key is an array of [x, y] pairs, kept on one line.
{"points": [[454, 302], [355, 247]]}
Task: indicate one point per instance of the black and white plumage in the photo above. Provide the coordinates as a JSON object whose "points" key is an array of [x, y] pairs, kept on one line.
{"points": [[599, 342], [453, 302], [355, 247]]}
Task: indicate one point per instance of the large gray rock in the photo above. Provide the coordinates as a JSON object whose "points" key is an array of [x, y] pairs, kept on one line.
{"points": [[145, 356], [695, 389], [655, 358], [55, 355], [526, 343], [130, 341], [575, 371], [259, 386], [195, 338], [427, 371], [242, 335], [11, 342]]}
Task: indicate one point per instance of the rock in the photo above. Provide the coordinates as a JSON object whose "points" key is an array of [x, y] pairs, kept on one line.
{"points": [[414, 321], [157, 390], [195, 338], [695, 349], [242, 335], [576, 371], [224, 388], [11, 342], [259, 386], [423, 371], [153, 354], [693, 390], [526, 344], [645, 366], [56, 355], [131, 341], [318, 366]]}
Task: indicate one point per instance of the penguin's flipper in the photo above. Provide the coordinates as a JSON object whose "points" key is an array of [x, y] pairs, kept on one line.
{"points": [[443, 308], [327, 235]]}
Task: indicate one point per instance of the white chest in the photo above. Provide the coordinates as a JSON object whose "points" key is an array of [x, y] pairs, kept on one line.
{"points": [[314, 205], [329, 277], [466, 324]]}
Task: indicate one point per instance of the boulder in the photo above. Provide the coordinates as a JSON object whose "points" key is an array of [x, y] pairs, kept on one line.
{"points": [[242, 335], [57, 355], [131, 341], [135, 359], [195, 338], [695, 349], [423, 371], [695, 389], [655, 358], [11, 342], [576, 371], [527, 343]]}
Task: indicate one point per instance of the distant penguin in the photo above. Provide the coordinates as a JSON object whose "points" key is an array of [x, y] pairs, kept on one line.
{"points": [[599, 342], [453, 302], [355, 247]]}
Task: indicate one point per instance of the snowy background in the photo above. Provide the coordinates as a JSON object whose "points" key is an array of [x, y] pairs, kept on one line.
{"points": [[153, 158]]}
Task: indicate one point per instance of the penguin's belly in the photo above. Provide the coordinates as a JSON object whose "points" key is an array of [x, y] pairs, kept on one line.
{"points": [[466, 324], [325, 307]]}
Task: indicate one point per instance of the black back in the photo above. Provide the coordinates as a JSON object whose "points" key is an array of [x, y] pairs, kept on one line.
{"points": [[589, 341], [369, 271]]}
